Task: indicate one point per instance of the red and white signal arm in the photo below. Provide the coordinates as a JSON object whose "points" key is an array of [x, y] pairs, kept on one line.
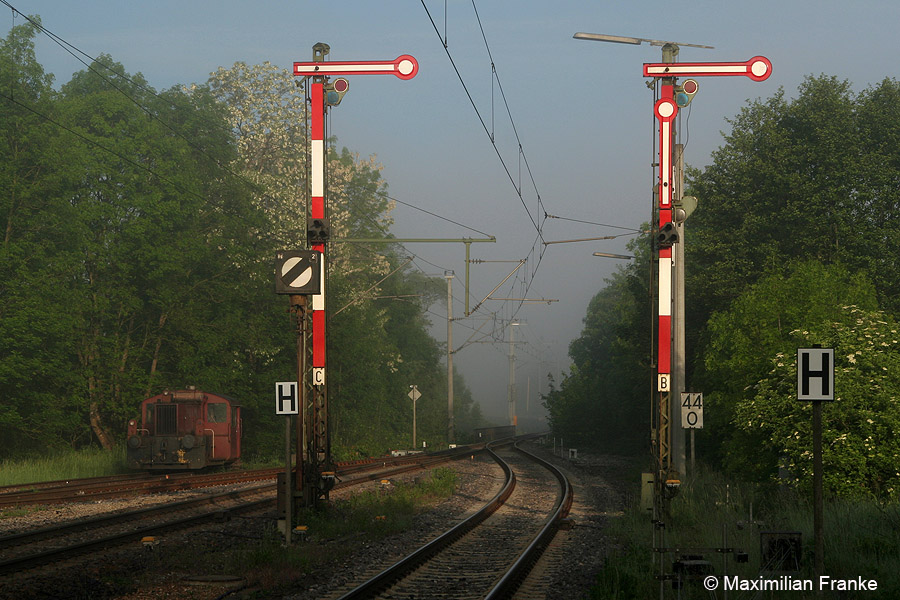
{"points": [[758, 68], [404, 67]]}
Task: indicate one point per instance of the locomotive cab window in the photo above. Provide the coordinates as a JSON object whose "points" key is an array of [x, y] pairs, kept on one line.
{"points": [[217, 412], [148, 420]]}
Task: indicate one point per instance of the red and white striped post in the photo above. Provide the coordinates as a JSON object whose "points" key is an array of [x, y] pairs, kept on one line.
{"points": [[665, 110], [403, 67]]}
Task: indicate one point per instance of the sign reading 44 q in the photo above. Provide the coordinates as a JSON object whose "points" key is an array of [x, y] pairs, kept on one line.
{"points": [[692, 411]]}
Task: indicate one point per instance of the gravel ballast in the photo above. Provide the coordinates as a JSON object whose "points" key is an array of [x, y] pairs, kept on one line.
{"points": [[567, 572]]}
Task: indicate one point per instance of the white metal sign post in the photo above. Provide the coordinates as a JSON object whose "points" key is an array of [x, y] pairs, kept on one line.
{"points": [[414, 395], [692, 417], [287, 402], [815, 383]]}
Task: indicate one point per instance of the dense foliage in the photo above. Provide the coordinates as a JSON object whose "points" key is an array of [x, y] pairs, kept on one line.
{"points": [[138, 235], [859, 437], [792, 245]]}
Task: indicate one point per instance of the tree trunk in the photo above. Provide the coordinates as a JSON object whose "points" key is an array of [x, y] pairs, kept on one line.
{"points": [[159, 339], [97, 426]]}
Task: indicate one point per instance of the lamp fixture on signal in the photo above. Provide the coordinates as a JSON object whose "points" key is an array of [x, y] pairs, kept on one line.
{"points": [[684, 93], [335, 90], [667, 236]]}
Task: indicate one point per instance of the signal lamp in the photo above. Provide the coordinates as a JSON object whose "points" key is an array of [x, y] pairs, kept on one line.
{"points": [[684, 93], [317, 231], [335, 90], [667, 236]]}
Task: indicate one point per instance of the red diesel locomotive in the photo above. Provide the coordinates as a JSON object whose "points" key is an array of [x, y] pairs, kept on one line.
{"points": [[185, 430]]}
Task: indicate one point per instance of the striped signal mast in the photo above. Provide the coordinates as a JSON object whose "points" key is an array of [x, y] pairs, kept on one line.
{"points": [[317, 471], [671, 97], [665, 110]]}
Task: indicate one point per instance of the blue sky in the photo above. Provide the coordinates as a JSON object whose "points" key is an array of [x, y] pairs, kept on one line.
{"points": [[581, 109]]}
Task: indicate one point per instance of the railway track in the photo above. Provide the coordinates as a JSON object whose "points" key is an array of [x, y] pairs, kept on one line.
{"points": [[37, 547], [96, 488], [115, 486], [489, 554]]}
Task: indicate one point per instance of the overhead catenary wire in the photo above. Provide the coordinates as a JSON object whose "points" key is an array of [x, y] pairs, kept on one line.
{"points": [[481, 119], [381, 228], [549, 216], [103, 147], [435, 215], [74, 51]]}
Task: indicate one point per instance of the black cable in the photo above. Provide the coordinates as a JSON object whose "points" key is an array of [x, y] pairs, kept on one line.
{"points": [[549, 216], [538, 228], [435, 215], [483, 124], [101, 146], [67, 45]]}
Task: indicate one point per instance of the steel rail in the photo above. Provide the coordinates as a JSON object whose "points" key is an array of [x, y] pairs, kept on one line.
{"points": [[123, 485], [36, 485], [96, 488], [29, 536], [44, 557], [40, 558], [517, 573], [412, 561]]}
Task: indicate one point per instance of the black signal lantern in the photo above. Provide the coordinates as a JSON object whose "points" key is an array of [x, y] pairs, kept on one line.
{"points": [[335, 90], [667, 235], [317, 231], [684, 93]]}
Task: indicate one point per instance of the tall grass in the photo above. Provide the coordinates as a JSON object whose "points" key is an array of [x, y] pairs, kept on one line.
{"points": [[366, 516], [382, 511], [72, 464], [862, 539]]}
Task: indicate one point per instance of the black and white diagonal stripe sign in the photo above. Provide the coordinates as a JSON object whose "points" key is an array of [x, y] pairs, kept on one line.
{"points": [[297, 272]]}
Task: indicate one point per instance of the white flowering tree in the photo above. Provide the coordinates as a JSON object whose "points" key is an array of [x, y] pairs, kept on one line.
{"points": [[741, 341], [267, 112], [376, 347], [269, 115], [861, 448]]}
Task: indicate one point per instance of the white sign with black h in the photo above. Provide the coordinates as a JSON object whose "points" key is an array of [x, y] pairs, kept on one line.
{"points": [[287, 400], [815, 373]]}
